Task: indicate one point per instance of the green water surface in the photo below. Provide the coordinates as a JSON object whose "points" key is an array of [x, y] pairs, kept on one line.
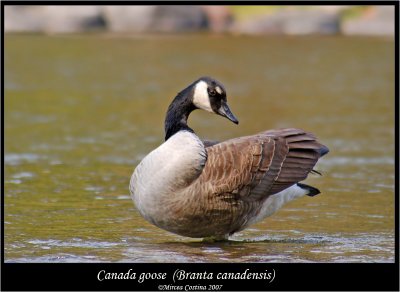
{"points": [[81, 111]]}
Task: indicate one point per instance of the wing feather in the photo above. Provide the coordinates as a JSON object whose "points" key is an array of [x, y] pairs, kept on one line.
{"points": [[255, 167]]}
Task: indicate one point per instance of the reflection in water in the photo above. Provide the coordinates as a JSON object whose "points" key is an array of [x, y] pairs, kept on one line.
{"points": [[72, 142]]}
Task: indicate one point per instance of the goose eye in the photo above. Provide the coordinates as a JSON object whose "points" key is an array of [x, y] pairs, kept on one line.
{"points": [[212, 92]]}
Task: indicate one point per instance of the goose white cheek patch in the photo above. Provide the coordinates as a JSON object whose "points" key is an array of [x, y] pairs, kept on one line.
{"points": [[200, 97]]}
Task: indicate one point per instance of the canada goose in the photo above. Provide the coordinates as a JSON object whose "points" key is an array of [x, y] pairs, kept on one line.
{"points": [[213, 190]]}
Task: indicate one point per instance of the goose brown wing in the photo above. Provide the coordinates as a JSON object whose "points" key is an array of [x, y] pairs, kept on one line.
{"points": [[257, 166]]}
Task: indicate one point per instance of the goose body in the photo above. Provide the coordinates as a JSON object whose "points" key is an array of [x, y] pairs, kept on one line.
{"points": [[201, 189]]}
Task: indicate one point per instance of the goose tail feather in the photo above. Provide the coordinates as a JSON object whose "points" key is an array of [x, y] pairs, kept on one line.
{"points": [[311, 190]]}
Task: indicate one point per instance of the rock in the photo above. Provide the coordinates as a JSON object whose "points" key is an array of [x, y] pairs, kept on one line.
{"points": [[219, 18], [52, 19], [162, 18], [265, 24], [374, 20], [69, 19], [377, 20], [292, 22], [178, 18], [310, 22], [129, 18], [24, 18], [66, 19]]}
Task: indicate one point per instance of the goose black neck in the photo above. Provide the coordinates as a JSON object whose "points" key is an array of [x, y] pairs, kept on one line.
{"points": [[178, 113]]}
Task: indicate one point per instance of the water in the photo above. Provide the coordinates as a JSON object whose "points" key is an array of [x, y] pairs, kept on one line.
{"points": [[82, 110]]}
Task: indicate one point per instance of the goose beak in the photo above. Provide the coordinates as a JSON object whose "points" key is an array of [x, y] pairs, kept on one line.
{"points": [[225, 111]]}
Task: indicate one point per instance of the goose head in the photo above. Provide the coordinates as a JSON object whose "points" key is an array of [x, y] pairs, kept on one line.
{"points": [[210, 95], [205, 93]]}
